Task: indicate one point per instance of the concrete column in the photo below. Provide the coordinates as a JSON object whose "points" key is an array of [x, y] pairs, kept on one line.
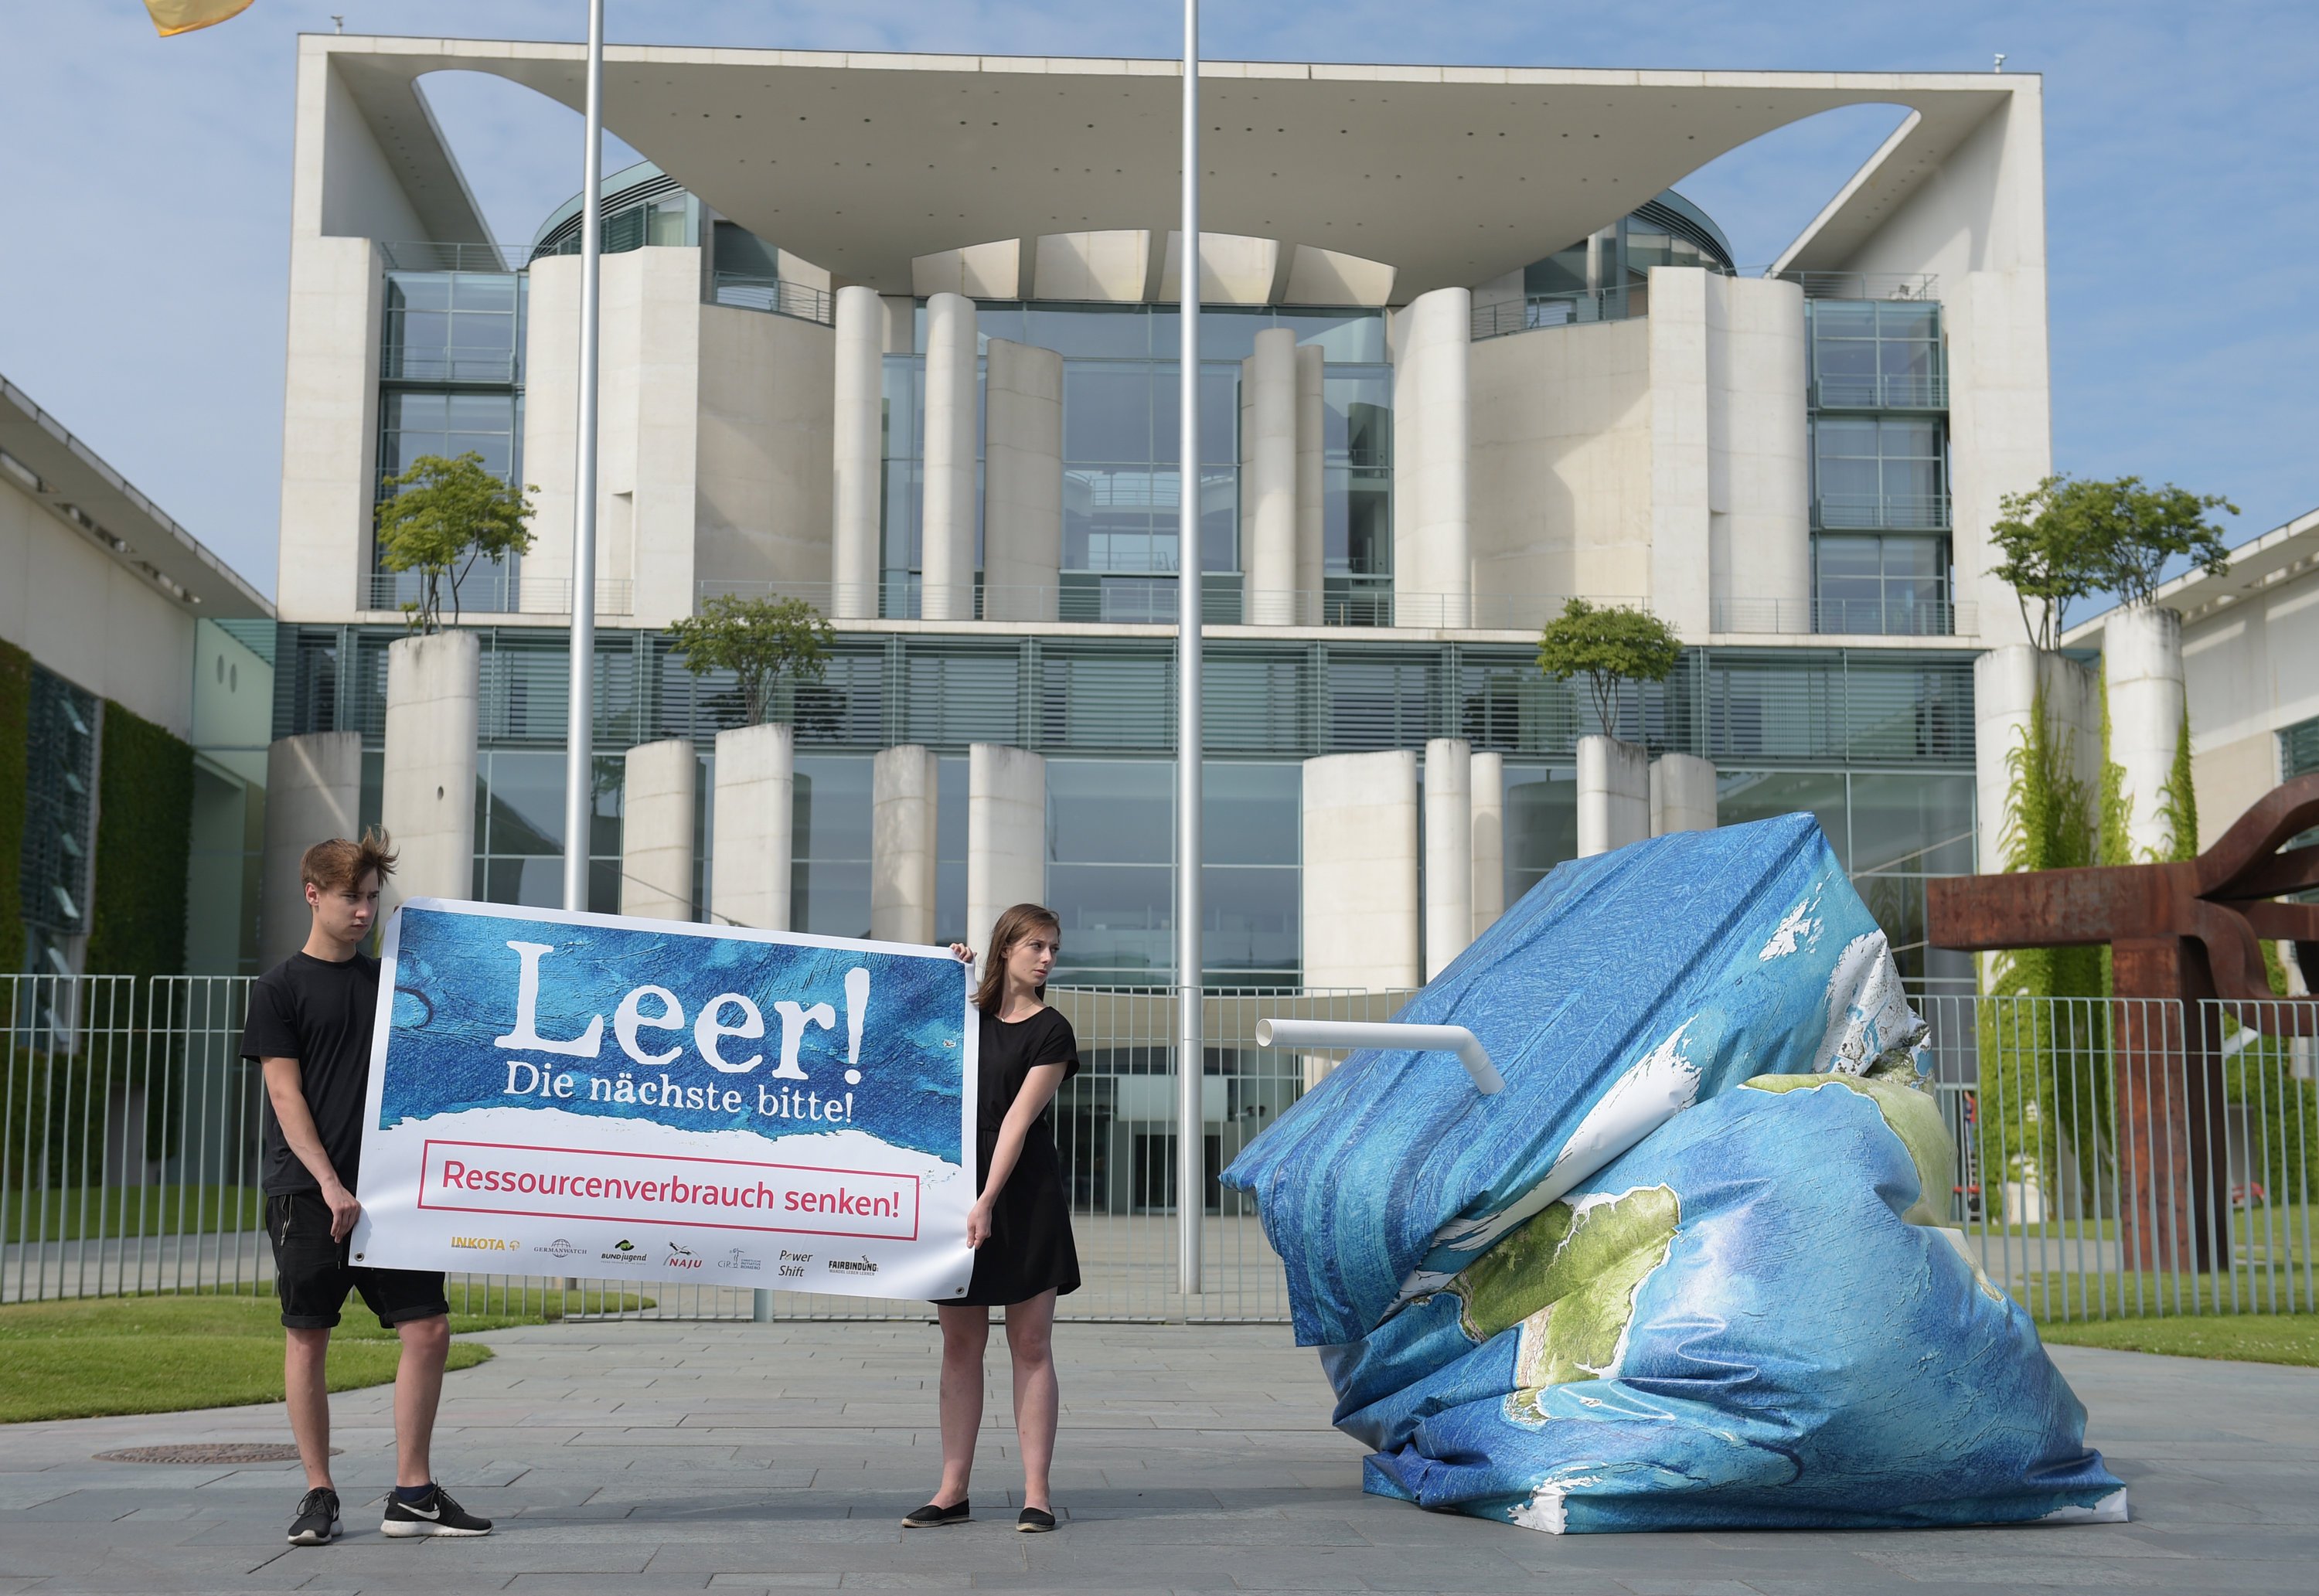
{"points": [[1358, 889], [1269, 453], [904, 787], [751, 827], [2006, 684], [1005, 835], [1614, 794], [1683, 794], [428, 800], [946, 555], [1682, 478], [1022, 483], [1431, 560], [1489, 822], [2142, 673], [1448, 852], [1312, 483], [313, 792], [660, 787], [1759, 527], [859, 460]]}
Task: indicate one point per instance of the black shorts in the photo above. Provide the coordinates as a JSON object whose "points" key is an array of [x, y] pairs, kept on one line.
{"points": [[311, 1275]]}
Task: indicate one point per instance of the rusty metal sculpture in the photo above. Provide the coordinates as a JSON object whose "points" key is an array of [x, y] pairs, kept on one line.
{"points": [[2188, 932]]}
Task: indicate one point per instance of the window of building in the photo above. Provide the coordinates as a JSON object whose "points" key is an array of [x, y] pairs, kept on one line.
{"points": [[1880, 472], [2299, 750], [829, 846], [1882, 584], [59, 820], [520, 829], [452, 326], [1876, 354]]}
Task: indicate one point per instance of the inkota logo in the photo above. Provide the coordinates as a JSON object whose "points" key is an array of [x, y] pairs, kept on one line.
{"points": [[560, 1247], [486, 1244], [847, 1265], [624, 1251], [737, 1260]]}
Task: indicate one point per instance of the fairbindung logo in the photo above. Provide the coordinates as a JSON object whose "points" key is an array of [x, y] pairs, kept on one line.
{"points": [[846, 1266]]}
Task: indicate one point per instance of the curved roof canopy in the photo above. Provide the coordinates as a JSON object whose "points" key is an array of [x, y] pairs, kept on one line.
{"points": [[862, 163]]}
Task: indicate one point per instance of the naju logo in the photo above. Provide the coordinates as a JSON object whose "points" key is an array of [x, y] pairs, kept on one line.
{"points": [[486, 1244], [560, 1247], [847, 1265]]}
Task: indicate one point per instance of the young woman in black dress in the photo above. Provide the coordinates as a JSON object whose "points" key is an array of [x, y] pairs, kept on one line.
{"points": [[1020, 1227]]}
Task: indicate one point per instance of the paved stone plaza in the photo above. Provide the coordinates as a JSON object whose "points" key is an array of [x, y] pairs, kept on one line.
{"points": [[642, 1457]]}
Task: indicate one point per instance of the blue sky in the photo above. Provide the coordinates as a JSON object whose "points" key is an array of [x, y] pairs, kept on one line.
{"points": [[141, 273]]}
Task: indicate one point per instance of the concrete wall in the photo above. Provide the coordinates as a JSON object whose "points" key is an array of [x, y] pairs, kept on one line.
{"points": [[329, 427], [1978, 223], [946, 556], [1683, 794], [1561, 468], [751, 824], [1359, 904], [83, 614], [659, 798], [2251, 669], [1488, 773], [1268, 478], [1433, 577], [1614, 794], [858, 446], [427, 802], [313, 792], [1448, 852], [2005, 683], [1023, 483], [2141, 679], [1005, 835], [1311, 480], [904, 801], [766, 441]]}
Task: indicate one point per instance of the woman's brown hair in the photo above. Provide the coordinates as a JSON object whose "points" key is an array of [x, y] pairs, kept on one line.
{"points": [[1012, 926]]}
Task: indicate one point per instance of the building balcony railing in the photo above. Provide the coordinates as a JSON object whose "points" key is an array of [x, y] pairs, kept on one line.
{"points": [[496, 590], [485, 367], [1865, 285], [1110, 600], [776, 295], [1897, 617], [1881, 512], [404, 254], [1909, 391], [1560, 309]]}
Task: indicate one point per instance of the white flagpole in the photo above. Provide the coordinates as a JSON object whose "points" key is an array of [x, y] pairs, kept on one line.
{"points": [[579, 762], [1191, 1138]]}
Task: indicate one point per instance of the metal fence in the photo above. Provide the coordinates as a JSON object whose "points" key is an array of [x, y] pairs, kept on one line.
{"points": [[2113, 1157]]}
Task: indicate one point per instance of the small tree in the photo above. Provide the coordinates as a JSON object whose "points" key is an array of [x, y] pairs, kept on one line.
{"points": [[444, 516], [2069, 538], [1608, 645], [760, 641]]}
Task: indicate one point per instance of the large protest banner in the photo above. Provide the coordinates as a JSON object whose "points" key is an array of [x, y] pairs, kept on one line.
{"points": [[565, 1094]]}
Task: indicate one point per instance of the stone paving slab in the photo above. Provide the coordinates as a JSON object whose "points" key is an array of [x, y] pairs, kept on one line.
{"points": [[644, 1458]]}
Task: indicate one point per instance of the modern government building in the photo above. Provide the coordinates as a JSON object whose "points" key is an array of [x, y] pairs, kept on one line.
{"points": [[897, 335]]}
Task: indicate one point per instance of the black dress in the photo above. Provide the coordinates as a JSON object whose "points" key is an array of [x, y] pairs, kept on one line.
{"points": [[1029, 1249]]}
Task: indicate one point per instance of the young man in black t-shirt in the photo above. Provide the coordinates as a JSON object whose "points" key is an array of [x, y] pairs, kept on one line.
{"points": [[310, 1026]]}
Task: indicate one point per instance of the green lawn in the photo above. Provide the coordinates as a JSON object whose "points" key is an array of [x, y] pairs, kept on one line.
{"points": [[164, 1352], [70, 1213], [2252, 1338]]}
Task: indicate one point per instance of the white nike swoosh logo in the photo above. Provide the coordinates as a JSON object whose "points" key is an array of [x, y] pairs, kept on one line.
{"points": [[421, 1512]]}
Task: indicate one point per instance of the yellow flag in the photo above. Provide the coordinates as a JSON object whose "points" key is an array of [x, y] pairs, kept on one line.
{"points": [[183, 16]]}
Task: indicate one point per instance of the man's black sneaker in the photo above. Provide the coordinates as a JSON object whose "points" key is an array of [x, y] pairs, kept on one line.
{"points": [[434, 1513], [317, 1523]]}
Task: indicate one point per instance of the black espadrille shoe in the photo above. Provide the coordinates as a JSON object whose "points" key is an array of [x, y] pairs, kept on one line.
{"points": [[1033, 1521], [931, 1517]]}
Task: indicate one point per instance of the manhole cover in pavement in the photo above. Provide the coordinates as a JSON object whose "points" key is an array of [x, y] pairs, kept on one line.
{"points": [[209, 1452]]}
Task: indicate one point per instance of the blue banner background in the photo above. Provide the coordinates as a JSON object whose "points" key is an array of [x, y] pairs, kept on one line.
{"points": [[456, 981]]}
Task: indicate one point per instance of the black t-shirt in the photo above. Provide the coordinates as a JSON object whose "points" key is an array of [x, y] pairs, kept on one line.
{"points": [[1007, 1055], [319, 1014]]}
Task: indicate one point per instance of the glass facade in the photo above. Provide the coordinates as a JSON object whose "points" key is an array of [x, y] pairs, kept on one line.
{"points": [[520, 829], [1876, 354], [1122, 493], [1881, 584], [1880, 472]]}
